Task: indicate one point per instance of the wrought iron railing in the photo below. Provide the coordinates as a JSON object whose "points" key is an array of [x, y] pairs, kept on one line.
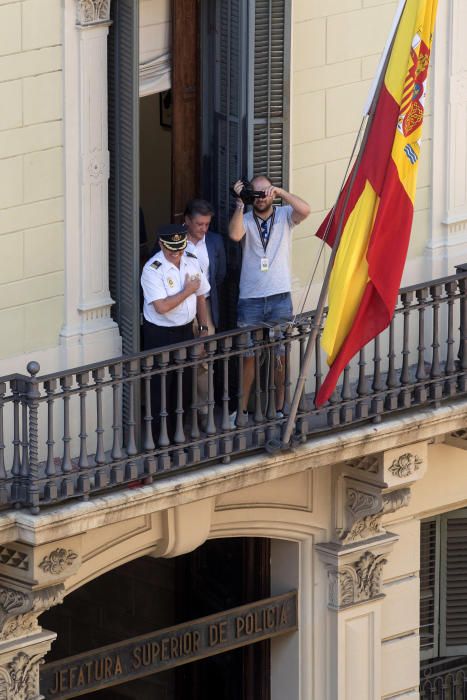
{"points": [[444, 679], [76, 433]]}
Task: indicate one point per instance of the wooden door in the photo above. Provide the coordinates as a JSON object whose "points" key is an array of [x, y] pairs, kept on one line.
{"points": [[185, 104]]}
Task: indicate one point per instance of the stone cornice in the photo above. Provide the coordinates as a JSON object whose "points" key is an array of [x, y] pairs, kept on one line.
{"points": [[74, 518]]}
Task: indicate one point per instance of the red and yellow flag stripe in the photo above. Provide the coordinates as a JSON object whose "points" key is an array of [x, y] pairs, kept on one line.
{"points": [[378, 217]]}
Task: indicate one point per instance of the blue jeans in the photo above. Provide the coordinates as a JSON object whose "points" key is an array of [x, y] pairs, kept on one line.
{"points": [[275, 309]]}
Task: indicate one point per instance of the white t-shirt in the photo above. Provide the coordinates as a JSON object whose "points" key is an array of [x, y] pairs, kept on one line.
{"points": [[161, 278], [201, 251], [266, 271]]}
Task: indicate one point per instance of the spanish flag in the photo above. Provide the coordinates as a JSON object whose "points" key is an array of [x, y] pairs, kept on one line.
{"points": [[376, 204]]}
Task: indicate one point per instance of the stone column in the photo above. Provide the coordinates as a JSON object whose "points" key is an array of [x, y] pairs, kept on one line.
{"points": [[364, 491], [449, 184], [31, 581], [89, 332]]}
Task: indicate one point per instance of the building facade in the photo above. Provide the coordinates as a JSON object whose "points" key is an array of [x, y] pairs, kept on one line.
{"points": [[113, 546]]}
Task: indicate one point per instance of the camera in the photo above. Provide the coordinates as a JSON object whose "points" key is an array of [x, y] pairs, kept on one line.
{"points": [[248, 194]]}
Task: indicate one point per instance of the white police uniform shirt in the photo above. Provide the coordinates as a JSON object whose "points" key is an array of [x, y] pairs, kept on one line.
{"points": [[161, 278]]}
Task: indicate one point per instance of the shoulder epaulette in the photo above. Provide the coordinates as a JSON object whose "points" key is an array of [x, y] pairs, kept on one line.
{"points": [[156, 264], [191, 255]]}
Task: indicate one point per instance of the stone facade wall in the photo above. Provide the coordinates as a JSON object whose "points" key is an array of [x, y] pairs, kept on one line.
{"points": [[31, 175]]}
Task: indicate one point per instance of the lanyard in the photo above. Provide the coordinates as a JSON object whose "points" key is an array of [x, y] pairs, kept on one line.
{"points": [[263, 229]]}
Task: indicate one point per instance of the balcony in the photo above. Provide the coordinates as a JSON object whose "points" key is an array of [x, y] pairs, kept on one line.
{"points": [[87, 431]]}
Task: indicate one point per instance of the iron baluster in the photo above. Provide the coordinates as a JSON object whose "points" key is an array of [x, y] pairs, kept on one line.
{"points": [[16, 465], [377, 403], [211, 347], [116, 374], [3, 489], [83, 378], [163, 440], [241, 344], [421, 375], [362, 387], [391, 379], [405, 396], [180, 357], [436, 388], [147, 365], [226, 441], [195, 354], [450, 367], [33, 395], [50, 387], [462, 353], [131, 371], [66, 383]]}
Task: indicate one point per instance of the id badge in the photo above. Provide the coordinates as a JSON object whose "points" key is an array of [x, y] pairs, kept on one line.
{"points": [[264, 264]]}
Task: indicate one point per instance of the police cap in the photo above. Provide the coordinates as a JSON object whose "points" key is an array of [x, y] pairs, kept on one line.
{"points": [[173, 236]]}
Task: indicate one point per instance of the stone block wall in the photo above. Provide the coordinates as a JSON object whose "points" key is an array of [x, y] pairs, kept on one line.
{"points": [[31, 175]]}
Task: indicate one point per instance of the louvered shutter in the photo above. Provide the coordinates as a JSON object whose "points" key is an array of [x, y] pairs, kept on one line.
{"points": [[429, 588], [272, 90], [124, 179], [453, 584]]}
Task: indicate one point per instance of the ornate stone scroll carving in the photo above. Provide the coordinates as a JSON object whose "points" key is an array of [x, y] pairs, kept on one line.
{"points": [[356, 582], [19, 679], [405, 465], [365, 505], [19, 611], [57, 561], [394, 500], [93, 12]]}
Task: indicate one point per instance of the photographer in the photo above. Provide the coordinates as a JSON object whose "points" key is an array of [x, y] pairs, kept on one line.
{"points": [[265, 280]]}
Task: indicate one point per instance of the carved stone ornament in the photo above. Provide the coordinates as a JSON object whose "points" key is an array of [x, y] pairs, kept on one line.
{"points": [[19, 680], [365, 510], [405, 465], [57, 561], [19, 611], [369, 526], [357, 582], [93, 12]]}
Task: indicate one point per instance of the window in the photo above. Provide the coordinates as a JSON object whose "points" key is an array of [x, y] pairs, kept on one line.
{"points": [[443, 586]]}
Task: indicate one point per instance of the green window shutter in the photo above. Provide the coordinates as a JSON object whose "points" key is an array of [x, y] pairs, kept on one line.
{"points": [[453, 584], [123, 65], [429, 588], [272, 90]]}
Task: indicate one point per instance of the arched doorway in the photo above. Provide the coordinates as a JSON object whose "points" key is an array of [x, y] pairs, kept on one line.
{"points": [[152, 594]]}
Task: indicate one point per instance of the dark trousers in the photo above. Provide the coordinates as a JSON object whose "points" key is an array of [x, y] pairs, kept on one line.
{"points": [[157, 337]]}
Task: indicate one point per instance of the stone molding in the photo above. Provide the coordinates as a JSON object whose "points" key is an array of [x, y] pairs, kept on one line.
{"points": [[370, 463], [14, 558], [91, 12]]}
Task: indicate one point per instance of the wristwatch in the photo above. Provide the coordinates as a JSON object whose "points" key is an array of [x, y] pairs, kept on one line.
{"points": [[203, 328]]}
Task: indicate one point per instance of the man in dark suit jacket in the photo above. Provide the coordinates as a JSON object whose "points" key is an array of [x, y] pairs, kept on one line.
{"points": [[208, 248]]}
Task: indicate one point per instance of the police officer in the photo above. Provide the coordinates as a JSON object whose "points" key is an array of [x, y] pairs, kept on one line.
{"points": [[174, 289]]}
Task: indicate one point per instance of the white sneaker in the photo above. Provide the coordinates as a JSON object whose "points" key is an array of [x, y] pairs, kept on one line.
{"points": [[279, 414], [233, 419]]}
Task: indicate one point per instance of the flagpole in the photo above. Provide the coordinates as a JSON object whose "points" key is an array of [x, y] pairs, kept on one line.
{"points": [[273, 446]]}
